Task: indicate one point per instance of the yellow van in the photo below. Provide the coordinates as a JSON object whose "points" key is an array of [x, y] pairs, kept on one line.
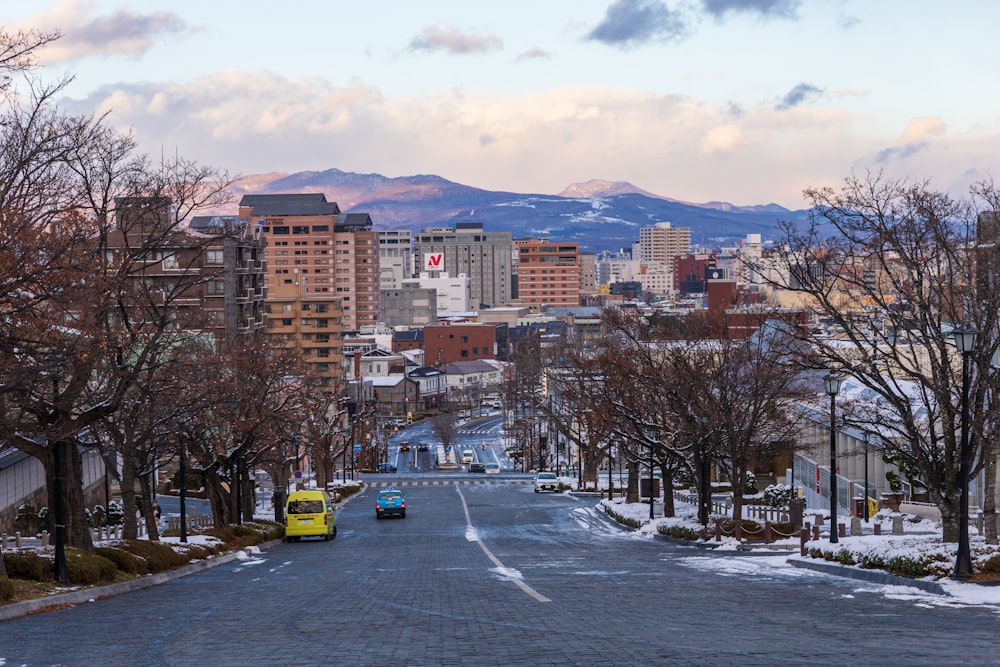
{"points": [[309, 514]]}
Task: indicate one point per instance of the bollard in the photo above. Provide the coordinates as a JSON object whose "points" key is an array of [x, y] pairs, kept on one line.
{"points": [[841, 529], [818, 520], [855, 525], [877, 528], [815, 532], [17, 540], [897, 524], [718, 531], [803, 538], [767, 533], [45, 538]]}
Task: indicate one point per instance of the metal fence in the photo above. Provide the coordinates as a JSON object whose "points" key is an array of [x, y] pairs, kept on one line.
{"points": [[814, 480], [22, 475]]}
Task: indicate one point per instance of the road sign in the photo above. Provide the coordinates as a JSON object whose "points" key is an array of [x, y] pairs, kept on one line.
{"points": [[357, 448], [298, 474]]}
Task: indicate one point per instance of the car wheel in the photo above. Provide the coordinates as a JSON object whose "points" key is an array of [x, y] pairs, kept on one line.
{"points": [[402, 515], [377, 515], [334, 536]]}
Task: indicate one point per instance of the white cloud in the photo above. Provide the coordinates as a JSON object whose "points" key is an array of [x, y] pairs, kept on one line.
{"points": [[535, 142]]}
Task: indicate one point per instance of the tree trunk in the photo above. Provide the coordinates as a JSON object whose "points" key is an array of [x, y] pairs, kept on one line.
{"points": [[219, 500], [130, 530], [148, 511], [989, 497], [739, 483], [77, 533], [668, 491], [632, 493]]}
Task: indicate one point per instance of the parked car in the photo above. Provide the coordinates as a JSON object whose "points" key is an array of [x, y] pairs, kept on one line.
{"points": [[546, 481], [390, 502], [477, 467], [385, 467], [492, 467]]}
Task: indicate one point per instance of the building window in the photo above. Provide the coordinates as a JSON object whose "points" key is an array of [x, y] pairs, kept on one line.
{"points": [[214, 257], [300, 229], [215, 287], [280, 230]]}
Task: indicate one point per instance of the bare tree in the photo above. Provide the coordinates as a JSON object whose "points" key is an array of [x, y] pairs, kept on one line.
{"points": [[894, 267]]}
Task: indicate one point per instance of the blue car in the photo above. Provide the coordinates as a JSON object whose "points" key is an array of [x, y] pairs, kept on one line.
{"points": [[390, 502]]}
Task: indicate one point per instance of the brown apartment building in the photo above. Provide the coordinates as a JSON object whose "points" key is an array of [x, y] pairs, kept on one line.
{"points": [[209, 277], [311, 244], [311, 324], [548, 272]]}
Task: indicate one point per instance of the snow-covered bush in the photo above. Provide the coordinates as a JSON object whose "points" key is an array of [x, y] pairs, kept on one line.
{"points": [[777, 495], [751, 486]]}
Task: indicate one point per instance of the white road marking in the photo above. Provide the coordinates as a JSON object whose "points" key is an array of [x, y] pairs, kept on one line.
{"points": [[473, 536]]}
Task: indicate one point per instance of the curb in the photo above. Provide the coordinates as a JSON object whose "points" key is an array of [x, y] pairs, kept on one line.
{"points": [[871, 576], [18, 609]]}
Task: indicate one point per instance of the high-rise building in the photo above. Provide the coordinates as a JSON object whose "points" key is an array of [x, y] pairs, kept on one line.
{"points": [[395, 257], [466, 249], [663, 243], [311, 324], [209, 277], [326, 252], [548, 272]]}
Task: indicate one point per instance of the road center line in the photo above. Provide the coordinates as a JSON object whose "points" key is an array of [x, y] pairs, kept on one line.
{"points": [[496, 561]]}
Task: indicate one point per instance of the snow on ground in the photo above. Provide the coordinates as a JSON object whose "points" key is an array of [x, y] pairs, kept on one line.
{"points": [[921, 540]]}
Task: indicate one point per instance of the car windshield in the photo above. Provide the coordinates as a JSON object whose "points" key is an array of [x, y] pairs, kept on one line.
{"points": [[546, 475], [390, 495]]}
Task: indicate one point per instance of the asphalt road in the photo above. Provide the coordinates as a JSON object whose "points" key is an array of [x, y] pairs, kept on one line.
{"points": [[482, 571]]}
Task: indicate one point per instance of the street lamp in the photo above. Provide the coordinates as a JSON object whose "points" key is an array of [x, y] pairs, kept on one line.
{"points": [[865, 495], [965, 341], [832, 384]]}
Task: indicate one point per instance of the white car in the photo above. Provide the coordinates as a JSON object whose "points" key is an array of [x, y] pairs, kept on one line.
{"points": [[546, 481], [492, 467]]}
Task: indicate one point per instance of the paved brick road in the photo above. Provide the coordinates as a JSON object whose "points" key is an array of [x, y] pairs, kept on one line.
{"points": [[527, 579]]}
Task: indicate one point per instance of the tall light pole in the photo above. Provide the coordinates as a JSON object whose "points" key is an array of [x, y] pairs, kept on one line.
{"points": [[832, 384], [965, 341], [865, 496]]}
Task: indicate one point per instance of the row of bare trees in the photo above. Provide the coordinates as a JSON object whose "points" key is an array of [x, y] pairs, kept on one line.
{"points": [[93, 354], [677, 394]]}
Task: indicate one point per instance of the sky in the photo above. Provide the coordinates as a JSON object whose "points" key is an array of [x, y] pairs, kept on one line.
{"points": [[745, 101]]}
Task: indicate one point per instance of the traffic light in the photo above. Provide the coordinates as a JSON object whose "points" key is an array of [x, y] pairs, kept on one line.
{"points": [[484, 445], [409, 417]]}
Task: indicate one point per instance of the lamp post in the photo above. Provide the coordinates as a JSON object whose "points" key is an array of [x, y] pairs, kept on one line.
{"points": [[965, 341], [865, 495], [832, 384]]}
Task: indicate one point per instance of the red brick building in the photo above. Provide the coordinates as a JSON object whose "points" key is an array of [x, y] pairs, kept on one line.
{"points": [[448, 343]]}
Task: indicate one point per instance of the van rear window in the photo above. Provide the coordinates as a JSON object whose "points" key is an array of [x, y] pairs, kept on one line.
{"points": [[305, 507]]}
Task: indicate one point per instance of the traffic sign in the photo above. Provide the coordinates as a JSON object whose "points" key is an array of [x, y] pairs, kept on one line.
{"points": [[357, 448]]}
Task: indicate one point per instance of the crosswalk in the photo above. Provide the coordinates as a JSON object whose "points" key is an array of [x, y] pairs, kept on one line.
{"points": [[381, 484]]}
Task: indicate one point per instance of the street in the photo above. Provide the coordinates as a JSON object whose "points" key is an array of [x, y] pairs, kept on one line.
{"points": [[482, 571]]}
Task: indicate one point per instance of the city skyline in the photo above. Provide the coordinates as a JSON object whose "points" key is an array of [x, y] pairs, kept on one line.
{"points": [[746, 101]]}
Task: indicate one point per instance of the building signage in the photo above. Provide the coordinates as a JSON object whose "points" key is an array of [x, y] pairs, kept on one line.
{"points": [[433, 261]]}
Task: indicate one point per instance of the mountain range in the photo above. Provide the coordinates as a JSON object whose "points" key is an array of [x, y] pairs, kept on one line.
{"points": [[599, 215]]}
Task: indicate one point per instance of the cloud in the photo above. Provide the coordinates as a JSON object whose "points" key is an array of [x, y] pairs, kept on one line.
{"points": [[764, 8], [917, 137], [453, 40], [632, 22], [798, 95], [531, 54], [122, 32], [259, 122]]}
